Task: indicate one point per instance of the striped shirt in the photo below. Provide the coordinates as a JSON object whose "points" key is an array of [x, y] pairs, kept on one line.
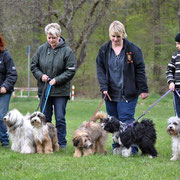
{"points": [[173, 70]]}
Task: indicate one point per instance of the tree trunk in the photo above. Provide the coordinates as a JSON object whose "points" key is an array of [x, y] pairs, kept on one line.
{"points": [[155, 22]]}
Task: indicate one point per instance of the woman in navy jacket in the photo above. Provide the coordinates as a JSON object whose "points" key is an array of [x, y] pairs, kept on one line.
{"points": [[8, 78], [121, 74]]}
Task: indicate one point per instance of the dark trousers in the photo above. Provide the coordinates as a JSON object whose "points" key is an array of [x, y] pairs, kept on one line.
{"points": [[59, 105], [176, 104]]}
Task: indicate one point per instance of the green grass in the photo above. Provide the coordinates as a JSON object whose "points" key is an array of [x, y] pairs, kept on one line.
{"points": [[62, 164]]}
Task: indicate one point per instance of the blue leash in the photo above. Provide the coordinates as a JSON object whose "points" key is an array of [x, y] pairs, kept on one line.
{"points": [[154, 104], [46, 96]]}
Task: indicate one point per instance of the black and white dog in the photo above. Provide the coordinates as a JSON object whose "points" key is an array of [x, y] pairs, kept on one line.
{"points": [[143, 134]]}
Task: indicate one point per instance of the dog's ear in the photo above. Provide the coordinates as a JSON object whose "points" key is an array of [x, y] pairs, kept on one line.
{"points": [[32, 115], [76, 141], [42, 116]]}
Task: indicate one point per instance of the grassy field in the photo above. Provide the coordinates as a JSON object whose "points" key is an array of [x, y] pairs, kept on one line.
{"points": [[62, 164]]}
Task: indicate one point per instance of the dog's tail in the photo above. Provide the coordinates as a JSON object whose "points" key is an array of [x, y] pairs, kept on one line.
{"points": [[100, 115]]}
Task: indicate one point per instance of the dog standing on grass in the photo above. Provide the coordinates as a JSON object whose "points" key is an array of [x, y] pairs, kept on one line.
{"points": [[89, 138], [173, 130], [141, 133], [45, 134], [20, 132]]}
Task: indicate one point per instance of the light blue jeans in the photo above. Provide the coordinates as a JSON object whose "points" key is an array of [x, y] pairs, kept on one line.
{"points": [[4, 107]]}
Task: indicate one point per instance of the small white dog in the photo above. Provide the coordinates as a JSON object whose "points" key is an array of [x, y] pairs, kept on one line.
{"points": [[173, 130], [20, 132]]}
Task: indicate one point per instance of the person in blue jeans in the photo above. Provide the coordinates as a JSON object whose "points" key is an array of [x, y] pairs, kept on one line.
{"points": [[54, 64], [121, 74], [172, 75], [8, 78]]}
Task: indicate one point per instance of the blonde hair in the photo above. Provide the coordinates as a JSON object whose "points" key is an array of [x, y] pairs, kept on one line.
{"points": [[117, 28], [54, 29]]}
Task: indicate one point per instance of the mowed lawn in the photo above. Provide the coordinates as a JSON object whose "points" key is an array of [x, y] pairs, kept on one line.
{"points": [[62, 164]]}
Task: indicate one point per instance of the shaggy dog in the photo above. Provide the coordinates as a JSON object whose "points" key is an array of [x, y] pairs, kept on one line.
{"points": [[89, 139], [173, 130], [143, 134], [45, 134], [20, 132]]}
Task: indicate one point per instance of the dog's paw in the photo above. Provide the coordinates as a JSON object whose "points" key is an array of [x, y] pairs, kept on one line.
{"points": [[174, 158], [116, 151], [126, 152]]}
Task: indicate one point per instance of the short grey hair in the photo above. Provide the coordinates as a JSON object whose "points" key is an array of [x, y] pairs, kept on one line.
{"points": [[54, 29], [117, 28]]}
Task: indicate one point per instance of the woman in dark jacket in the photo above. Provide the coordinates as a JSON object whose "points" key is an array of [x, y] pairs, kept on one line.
{"points": [[121, 74], [8, 78], [55, 61]]}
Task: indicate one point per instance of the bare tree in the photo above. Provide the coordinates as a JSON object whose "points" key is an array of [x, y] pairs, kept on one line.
{"points": [[156, 29], [71, 14]]}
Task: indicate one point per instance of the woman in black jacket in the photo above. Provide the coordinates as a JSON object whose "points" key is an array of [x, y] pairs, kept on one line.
{"points": [[8, 78], [121, 74]]}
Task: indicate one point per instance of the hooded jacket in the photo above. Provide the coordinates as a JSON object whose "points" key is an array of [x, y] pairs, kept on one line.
{"points": [[58, 63], [8, 74], [134, 77]]}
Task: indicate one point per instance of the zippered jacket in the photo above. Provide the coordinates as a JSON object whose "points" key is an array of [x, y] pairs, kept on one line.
{"points": [[134, 77], [173, 70], [58, 63], [8, 74]]}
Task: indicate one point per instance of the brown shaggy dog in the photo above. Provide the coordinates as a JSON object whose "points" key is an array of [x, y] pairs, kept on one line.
{"points": [[45, 134], [90, 138]]}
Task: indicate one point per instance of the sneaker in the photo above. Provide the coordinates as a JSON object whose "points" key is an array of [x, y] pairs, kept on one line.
{"points": [[134, 150], [62, 147]]}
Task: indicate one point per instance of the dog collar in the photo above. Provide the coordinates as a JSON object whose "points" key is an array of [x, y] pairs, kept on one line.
{"points": [[124, 126]]}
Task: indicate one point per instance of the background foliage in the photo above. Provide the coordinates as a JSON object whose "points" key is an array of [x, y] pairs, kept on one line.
{"points": [[151, 24]]}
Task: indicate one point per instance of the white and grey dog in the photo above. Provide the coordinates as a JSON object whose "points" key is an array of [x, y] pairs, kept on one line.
{"points": [[20, 132], [45, 134], [173, 130]]}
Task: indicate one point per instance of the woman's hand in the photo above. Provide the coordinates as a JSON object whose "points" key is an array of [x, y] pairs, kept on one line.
{"points": [[44, 78], [52, 82], [144, 95], [104, 92], [3, 90]]}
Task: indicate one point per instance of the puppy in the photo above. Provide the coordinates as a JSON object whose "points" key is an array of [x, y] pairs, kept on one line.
{"points": [[173, 130], [143, 134], [20, 132], [89, 139], [45, 134]]}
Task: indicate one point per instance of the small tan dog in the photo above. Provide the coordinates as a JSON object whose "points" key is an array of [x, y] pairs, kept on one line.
{"points": [[90, 138], [45, 134]]}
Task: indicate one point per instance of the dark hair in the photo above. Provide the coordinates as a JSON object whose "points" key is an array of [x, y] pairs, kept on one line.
{"points": [[177, 38], [2, 43]]}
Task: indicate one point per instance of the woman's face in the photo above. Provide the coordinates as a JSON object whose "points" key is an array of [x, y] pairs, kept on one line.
{"points": [[116, 39], [53, 40]]}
